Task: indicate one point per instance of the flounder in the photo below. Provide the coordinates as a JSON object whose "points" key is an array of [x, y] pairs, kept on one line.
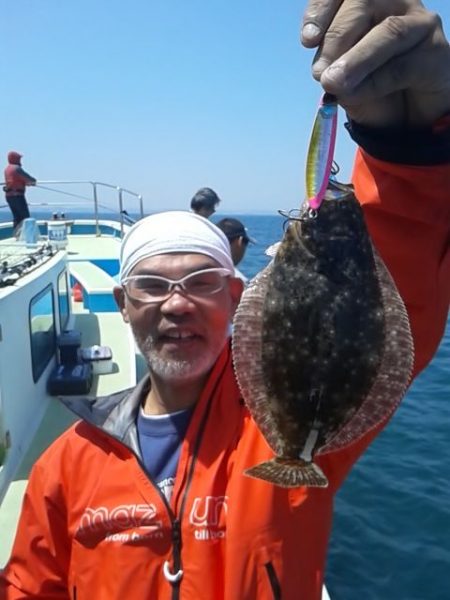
{"points": [[322, 346]]}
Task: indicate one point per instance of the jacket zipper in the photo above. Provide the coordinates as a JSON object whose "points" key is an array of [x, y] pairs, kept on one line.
{"points": [[74, 593], [273, 580], [176, 523], [174, 520]]}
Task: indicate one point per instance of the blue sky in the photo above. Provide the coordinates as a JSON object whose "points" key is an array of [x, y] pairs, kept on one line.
{"points": [[163, 97]]}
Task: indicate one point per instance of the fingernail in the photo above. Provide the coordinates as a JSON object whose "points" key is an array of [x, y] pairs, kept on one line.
{"points": [[320, 66], [336, 74], [310, 31]]}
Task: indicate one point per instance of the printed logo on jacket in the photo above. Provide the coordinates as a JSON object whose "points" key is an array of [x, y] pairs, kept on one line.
{"points": [[208, 515], [128, 523], [123, 523]]}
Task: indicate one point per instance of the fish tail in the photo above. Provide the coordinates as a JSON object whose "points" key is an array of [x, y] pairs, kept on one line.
{"points": [[288, 473]]}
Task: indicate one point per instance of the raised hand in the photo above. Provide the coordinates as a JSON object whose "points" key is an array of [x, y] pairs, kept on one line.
{"points": [[387, 61]]}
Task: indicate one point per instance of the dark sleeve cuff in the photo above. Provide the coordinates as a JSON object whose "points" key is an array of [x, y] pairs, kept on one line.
{"points": [[420, 147]]}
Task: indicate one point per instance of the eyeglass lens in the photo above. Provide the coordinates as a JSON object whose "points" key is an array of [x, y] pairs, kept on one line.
{"points": [[152, 288]]}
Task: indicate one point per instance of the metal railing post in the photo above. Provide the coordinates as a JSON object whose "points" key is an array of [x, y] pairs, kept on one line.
{"points": [[97, 228], [121, 211]]}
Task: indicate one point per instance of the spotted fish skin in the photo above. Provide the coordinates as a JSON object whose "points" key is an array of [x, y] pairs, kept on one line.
{"points": [[321, 344]]}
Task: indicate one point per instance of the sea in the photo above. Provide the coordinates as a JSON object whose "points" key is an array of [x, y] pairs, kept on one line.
{"points": [[391, 533]]}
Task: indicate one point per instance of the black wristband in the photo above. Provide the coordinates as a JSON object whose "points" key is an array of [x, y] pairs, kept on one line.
{"points": [[419, 147]]}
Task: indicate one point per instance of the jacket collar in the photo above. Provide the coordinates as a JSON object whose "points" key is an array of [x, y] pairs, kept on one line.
{"points": [[116, 414]]}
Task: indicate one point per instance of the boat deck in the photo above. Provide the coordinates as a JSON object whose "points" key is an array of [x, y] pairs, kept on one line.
{"points": [[105, 329], [87, 247]]}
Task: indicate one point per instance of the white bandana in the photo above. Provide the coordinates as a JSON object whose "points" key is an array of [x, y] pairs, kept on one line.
{"points": [[173, 231]]}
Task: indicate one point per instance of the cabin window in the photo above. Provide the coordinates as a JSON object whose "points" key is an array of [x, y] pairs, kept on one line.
{"points": [[63, 300], [42, 331]]}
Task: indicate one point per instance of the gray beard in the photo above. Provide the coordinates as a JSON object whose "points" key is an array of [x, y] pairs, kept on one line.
{"points": [[175, 369]]}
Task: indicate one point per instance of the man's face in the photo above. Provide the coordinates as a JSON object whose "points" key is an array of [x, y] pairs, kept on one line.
{"points": [[182, 336]]}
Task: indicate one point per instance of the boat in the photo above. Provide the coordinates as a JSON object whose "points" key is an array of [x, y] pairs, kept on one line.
{"points": [[56, 279], [56, 299]]}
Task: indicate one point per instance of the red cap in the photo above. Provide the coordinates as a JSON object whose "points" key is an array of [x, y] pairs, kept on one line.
{"points": [[14, 157]]}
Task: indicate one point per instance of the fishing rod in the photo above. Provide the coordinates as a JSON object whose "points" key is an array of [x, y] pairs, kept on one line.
{"points": [[44, 187]]}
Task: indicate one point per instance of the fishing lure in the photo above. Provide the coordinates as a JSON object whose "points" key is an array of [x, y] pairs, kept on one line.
{"points": [[319, 161]]}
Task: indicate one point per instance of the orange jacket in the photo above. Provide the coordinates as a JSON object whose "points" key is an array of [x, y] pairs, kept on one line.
{"points": [[94, 526], [16, 179]]}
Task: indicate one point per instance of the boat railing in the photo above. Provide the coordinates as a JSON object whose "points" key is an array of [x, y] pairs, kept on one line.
{"points": [[93, 201]]}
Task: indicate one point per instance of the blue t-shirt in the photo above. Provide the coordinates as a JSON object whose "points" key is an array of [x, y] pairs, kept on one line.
{"points": [[160, 438]]}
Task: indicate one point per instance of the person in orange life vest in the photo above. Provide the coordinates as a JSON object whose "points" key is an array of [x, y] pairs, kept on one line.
{"points": [[16, 180], [145, 497], [239, 239], [204, 202]]}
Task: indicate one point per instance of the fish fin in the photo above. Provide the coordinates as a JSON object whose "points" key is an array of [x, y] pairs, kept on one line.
{"points": [[288, 473], [247, 352], [272, 250]]}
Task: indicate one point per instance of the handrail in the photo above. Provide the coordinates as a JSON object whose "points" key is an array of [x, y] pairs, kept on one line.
{"points": [[95, 184]]}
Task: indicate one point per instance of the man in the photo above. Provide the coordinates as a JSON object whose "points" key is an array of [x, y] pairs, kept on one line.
{"points": [[94, 521], [205, 202], [16, 180], [239, 240]]}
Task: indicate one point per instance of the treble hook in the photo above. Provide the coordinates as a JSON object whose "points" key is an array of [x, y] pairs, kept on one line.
{"points": [[295, 214]]}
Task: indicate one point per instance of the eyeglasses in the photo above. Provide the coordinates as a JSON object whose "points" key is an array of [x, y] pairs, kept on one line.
{"points": [[154, 288]]}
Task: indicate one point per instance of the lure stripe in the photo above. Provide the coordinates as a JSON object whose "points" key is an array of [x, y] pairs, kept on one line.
{"points": [[321, 150]]}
